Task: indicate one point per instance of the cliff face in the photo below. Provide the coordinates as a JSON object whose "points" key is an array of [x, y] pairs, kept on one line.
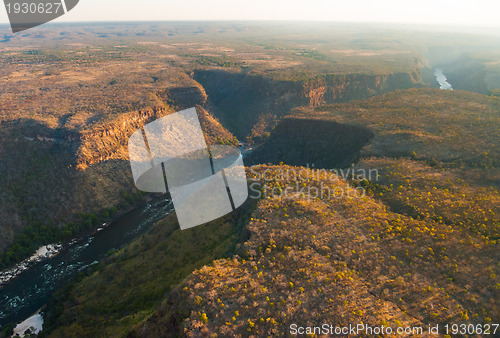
{"points": [[340, 88], [471, 74], [109, 141], [251, 105]]}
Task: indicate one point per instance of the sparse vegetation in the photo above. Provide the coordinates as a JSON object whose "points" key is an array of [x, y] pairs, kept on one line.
{"points": [[141, 274], [343, 261], [421, 247]]}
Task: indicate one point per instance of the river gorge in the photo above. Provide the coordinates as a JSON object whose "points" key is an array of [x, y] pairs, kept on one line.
{"points": [[24, 294]]}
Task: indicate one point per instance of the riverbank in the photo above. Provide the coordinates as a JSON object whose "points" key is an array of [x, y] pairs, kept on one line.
{"points": [[50, 250], [46, 251], [33, 287]]}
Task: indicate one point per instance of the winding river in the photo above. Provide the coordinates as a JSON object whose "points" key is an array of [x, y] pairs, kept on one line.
{"points": [[31, 289]]}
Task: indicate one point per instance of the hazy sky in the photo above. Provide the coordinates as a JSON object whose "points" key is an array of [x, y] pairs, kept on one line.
{"points": [[447, 12]]}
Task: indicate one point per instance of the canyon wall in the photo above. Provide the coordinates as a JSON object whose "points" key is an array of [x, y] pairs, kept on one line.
{"points": [[250, 106]]}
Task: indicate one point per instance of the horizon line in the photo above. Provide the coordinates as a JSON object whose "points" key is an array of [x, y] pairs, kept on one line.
{"points": [[423, 24]]}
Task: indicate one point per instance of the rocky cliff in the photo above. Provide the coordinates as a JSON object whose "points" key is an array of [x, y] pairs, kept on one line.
{"points": [[250, 105]]}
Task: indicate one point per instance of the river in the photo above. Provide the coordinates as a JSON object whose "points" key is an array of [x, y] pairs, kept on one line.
{"points": [[442, 80], [29, 291]]}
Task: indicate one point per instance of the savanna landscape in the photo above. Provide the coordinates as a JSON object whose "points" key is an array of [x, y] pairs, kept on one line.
{"points": [[412, 246]]}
